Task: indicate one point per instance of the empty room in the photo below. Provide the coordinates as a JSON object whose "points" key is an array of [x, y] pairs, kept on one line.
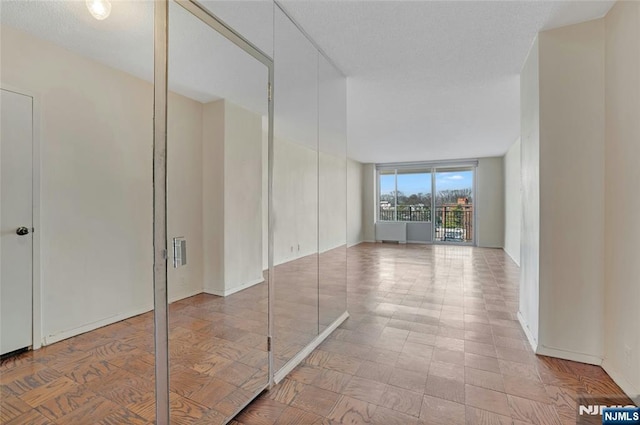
{"points": [[323, 212]]}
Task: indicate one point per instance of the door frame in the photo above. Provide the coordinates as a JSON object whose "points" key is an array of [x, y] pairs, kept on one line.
{"points": [[474, 241], [36, 286], [160, 249]]}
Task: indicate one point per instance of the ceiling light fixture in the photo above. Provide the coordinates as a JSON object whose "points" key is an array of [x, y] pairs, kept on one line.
{"points": [[100, 9]]}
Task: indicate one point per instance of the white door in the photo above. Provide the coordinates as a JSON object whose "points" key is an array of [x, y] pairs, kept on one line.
{"points": [[16, 221]]}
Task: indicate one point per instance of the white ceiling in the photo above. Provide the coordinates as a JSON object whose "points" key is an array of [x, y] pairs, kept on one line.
{"points": [[433, 80], [203, 65], [427, 80]]}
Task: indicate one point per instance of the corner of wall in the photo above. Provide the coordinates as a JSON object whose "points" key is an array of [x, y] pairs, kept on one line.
{"points": [[622, 102], [368, 201], [512, 201], [490, 202]]}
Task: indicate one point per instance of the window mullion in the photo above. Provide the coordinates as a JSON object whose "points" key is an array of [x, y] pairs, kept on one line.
{"points": [[395, 213]]}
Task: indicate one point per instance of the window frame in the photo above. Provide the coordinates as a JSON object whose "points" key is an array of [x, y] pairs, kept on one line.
{"points": [[432, 168]]}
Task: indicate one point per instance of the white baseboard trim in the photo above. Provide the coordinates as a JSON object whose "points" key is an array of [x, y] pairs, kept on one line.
{"points": [[51, 339], [227, 292], [525, 327], [512, 257], [569, 355], [623, 382], [298, 358], [349, 245], [184, 295]]}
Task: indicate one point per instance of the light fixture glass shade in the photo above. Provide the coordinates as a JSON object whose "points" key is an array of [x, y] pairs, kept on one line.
{"points": [[99, 9]]}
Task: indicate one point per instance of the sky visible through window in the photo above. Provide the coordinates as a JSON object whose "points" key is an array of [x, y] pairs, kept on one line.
{"points": [[421, 182]]}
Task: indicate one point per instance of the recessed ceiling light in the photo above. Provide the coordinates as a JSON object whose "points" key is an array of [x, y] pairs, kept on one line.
{"points": [[100, 9]]}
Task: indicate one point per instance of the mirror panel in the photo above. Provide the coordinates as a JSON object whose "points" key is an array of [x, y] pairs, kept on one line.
{"points": [[87, 88], [253, 19], [218, 316], [332, 187], [295, 191], [92, 85]]}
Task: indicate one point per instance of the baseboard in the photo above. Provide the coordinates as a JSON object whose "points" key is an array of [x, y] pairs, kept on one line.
{"points": [[525, 328], [623, 382], [512, 257], [298, 358], [569, 355], [227, 292], [51, 339], [349, 245], [186, 294], [289, 260], [419, 242]]}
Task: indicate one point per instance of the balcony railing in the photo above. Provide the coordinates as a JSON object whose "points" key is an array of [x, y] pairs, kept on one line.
{"points": [[452, 223], [405, 214]]}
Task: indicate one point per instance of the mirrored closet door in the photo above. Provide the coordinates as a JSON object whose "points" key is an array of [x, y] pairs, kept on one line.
{"points": [[217, 229]]}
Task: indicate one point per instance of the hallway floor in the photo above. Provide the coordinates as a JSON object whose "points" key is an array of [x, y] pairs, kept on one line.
{"points": [[432, 339]]}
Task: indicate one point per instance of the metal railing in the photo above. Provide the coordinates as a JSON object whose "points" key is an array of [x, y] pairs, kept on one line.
{"points": [[405, 214], [453, 223]]}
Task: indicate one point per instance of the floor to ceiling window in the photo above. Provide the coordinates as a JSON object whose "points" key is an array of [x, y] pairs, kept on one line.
{"points": [[454, 205], [441, 195]]}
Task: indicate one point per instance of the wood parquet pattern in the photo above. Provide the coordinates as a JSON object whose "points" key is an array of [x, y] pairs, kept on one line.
{"points": [[432, 339], [218, 361]]}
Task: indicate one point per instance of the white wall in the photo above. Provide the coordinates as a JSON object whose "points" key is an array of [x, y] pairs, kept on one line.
{"points": [[490, 203], [242, 198], [302, 202], [332, 201], [563, 168], [96, 190], [622, 174], [295, 201], [528, 312], [572, 191], [370, 187], [184, 193], [512, 202], [232, 197], [212, 196], [355, 204], [589, 94]]}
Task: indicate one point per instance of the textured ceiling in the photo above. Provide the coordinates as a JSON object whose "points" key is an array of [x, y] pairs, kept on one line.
{"points": [[433, 80], [203, 65], [427, 80]]}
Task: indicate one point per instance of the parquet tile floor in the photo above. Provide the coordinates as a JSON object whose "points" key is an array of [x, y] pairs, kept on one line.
{"points": [[432, 338], [217, 355]]}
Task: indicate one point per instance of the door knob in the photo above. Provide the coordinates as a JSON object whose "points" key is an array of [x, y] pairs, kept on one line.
{"points": [[22, 231]]}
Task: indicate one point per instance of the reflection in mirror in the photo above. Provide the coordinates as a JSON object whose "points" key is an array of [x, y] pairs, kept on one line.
{"points": [[295, 191], [218, 316], [332, 203], [85, 89], [253, 19]]}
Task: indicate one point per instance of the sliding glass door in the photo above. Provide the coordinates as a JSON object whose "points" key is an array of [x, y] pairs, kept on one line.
{"points": [[454, 205]]}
